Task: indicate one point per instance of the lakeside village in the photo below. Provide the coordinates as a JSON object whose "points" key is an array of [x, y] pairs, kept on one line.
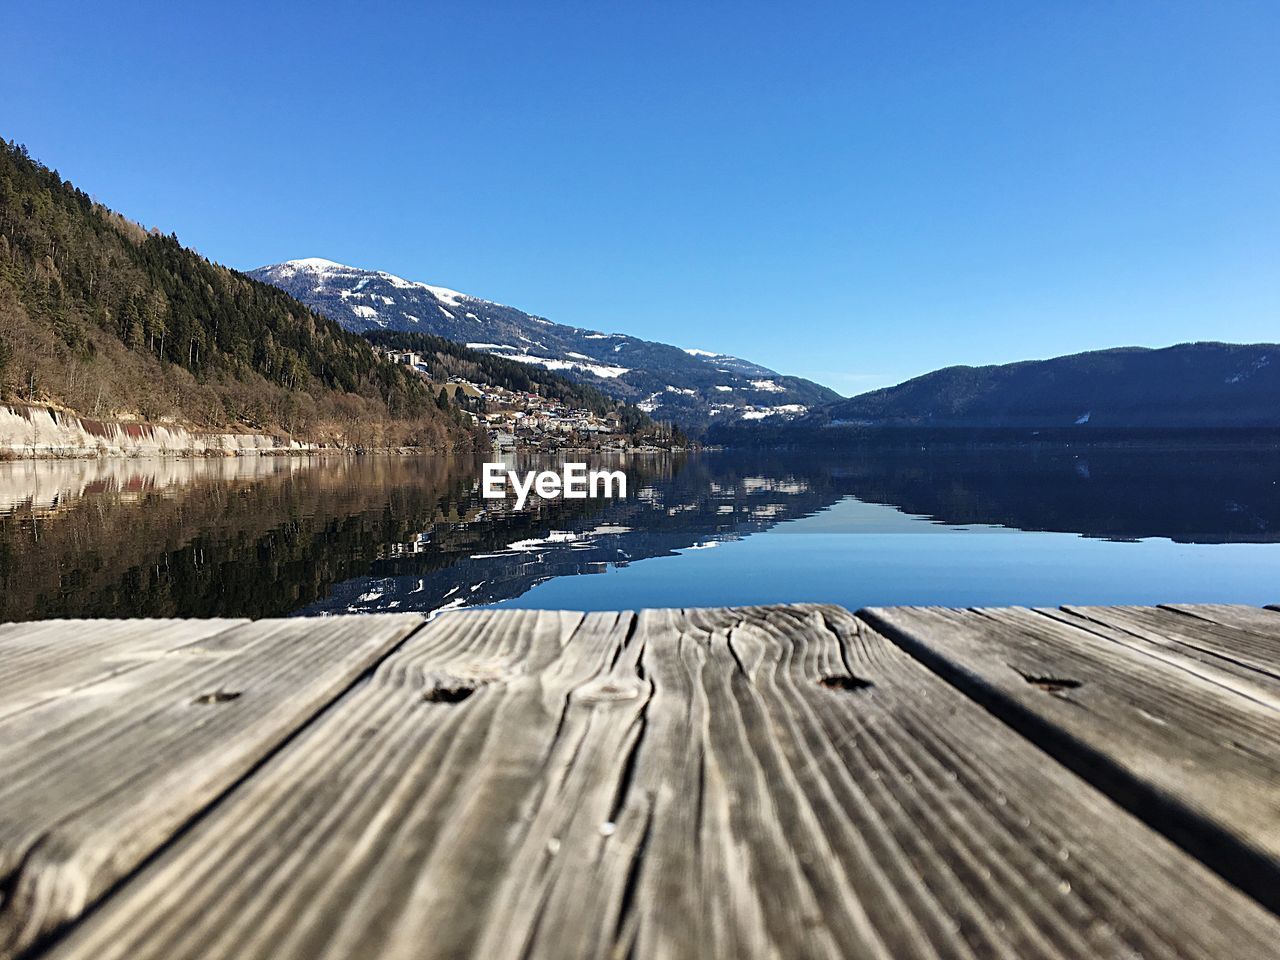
{"points": [[527, 420]]}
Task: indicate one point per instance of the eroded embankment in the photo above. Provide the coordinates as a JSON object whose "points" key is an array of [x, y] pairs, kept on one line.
{"points": [[27, 432]]}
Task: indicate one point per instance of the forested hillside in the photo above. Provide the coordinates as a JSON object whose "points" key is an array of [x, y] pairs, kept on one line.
{"points": [[108, 319], [447, 359]]}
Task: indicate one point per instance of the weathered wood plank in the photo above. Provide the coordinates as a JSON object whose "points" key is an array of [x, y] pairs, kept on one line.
{"points": [[1202, 648], [48, 658], [96, 779], [1197, 760], [1260, 625], [764, 782]]}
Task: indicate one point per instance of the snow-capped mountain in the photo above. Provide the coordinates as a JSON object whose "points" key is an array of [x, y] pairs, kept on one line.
{"points": [[688, 386]]}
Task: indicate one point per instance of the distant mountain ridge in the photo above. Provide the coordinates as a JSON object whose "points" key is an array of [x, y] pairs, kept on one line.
{"points": [[1188, 385], [693, 388]]}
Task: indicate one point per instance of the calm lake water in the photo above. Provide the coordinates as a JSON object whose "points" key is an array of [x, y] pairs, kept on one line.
{"points": [[272, 537]]}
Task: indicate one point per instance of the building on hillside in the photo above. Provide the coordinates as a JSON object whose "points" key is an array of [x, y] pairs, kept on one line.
{"points": [[408, 358]]}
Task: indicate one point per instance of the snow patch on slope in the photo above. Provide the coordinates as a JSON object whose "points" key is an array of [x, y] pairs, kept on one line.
{"points": [[599, 369], [783, 409], [329, 269]]}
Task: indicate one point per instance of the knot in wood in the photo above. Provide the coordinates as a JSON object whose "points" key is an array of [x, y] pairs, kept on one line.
{"points": [[607, 691], [450, 688]]}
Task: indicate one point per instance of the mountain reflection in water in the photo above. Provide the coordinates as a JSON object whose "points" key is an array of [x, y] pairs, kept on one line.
{"points": [[263, 537]]}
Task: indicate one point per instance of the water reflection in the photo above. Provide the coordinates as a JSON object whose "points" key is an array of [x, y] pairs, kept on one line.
{"points": [[42, 487], [1195, 495], [273, 536], [675, 504]]}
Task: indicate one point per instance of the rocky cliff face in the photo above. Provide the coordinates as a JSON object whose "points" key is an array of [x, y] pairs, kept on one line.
{"points": [[32, 432]]}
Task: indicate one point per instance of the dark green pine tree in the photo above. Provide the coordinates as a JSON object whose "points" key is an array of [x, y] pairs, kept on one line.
{"points": [[6, 354], [135, 335]]}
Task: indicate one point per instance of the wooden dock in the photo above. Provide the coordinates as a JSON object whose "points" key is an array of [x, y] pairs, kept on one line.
{"points": [[765, 782]]}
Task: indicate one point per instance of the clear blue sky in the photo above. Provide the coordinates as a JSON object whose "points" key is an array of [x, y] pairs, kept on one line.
{"points": [[854, 192]]}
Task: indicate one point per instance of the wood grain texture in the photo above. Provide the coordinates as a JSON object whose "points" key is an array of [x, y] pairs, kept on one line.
{"points": [[99, 776], [1208, 650], [51, 658], [1195, 758], [768, 782], [1251, 634]]}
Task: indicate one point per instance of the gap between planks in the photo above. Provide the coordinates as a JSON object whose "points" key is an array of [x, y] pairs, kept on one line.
{"points": [[673, 783], [1183, 740]]}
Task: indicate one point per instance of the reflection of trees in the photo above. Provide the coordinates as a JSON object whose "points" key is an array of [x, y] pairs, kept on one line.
{"points": [[691, 503], [264, 537], [255, 543], [253, 546]]}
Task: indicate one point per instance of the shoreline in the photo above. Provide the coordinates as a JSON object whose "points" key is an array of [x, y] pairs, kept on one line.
{"points": [[29, 432]]}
